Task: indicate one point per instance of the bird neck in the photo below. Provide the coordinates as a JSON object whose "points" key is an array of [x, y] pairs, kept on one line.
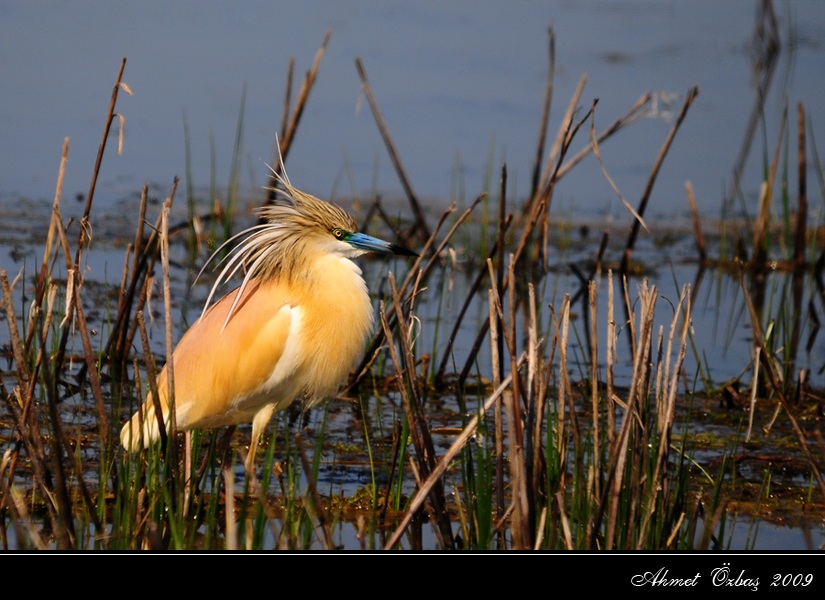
{"points": [[331, 276]]}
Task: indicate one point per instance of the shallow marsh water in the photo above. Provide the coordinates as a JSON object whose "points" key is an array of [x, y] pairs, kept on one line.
{"points": [[723, 350]]}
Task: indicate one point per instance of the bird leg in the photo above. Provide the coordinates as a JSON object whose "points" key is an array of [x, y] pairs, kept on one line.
{"points": [[259, 423]]}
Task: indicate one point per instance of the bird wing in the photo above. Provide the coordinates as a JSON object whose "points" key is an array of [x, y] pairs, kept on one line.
{"points": [[223, 375]]}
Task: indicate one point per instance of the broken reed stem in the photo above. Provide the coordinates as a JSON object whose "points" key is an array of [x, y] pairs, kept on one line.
{"points": [[416, 271], [594, 385], [634, 113], [531, 216], [766, 355], [767, 44], [441, 467], [610, 343], [426, 449], [24, 417], [317, 507], [170, 344], [99, 159], [53, 224], [118, 344], [290, 74], [762, 225], [74, 271], [545, 112], [634, 229], [562, 331], [521, 523], [231, 532], [802, 214], [597, 153], [697, 226], [138, 251], [409, 410], [495, 251], [536, 390], [498, 419], [420, 220], [665, 412], [284, 143], [551, 167], [65, 532]]}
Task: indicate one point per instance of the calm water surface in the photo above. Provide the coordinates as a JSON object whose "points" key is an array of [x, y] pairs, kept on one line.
{"points": [[460, 85]]}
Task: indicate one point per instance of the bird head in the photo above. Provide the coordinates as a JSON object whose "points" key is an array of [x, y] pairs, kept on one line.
{"points": [[295, 231]]}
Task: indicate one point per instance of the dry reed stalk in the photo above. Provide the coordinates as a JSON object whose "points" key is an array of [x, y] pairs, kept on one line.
{"points": [[419, 428], [94, 378], [765, 355], [754, 389], [51, 482], [802, 213], [290, 74], [666, 391], [315, 507], [84, 236], [125, 328], [567, 537], [466, 434], [284, 142], [535, 211], [610, 361], [496, 251], [42, 281], [619, 450], [24, 418], [763, 219], [544, 213], [697, 227], [564, 392], [439, 514], [231, 531], [420, 220], [416, 271], [536, 396], [65, 532], [634, 229], [503, 224], [765, 45], [637, 111], [105, 443], [595, 491], [167, 316], [563, 138], [597, 153], [16, 342], [520, 525], [498, 419], [545, 112]]}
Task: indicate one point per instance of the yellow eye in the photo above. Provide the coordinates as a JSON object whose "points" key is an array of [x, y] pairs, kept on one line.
{"points": [[339, 233]]}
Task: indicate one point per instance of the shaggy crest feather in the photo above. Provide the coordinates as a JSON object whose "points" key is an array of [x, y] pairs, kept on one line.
{"points": [[279, 247]]}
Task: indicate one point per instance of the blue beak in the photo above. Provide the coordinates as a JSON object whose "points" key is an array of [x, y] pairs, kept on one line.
{"points": [[365, 242]]}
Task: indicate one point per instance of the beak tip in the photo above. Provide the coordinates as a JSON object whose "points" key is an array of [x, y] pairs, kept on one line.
{"points": [[402, 251]]}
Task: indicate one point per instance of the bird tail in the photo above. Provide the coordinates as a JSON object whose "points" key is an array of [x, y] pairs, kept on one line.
{"points": [[142, 429]]}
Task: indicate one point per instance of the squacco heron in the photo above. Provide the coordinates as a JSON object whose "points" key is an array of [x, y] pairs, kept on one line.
{"points": [[293, 329]]}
